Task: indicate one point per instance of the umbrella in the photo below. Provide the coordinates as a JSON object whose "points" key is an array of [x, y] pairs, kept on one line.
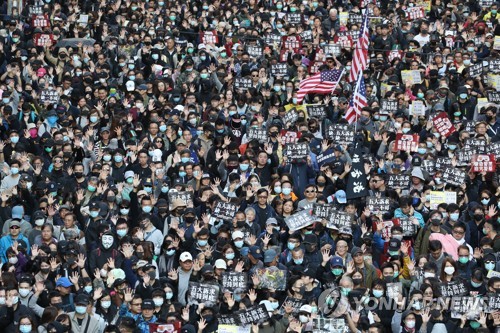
{"points": [[73, 42]]}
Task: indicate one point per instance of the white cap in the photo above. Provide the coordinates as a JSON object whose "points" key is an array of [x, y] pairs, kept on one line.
{"points": [[220, 264], [185, 256], [157, 154], [305, 308], [130, 85], [201, 46], [129, 174], [179, 107], [238, 234]]}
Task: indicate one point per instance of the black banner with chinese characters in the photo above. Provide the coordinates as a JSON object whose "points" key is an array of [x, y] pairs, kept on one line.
{"points": [[322, 211], [454, 176], [185, 196], [398, 181], [203, 293], [259, 134], [234, 280], [340, 220], [378, 205], [454, 288], [357, 182], [297, 151], [225, 210]]}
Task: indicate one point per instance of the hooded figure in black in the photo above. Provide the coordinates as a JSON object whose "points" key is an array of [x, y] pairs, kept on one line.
{"points": [[466, 104], [106, 250]]}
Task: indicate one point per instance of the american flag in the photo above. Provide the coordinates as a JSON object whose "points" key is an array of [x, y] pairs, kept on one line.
{"points": [[321, 83], [358, 101], [360, 59]]}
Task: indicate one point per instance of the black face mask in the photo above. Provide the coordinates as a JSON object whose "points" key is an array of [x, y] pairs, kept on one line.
{"points": [[357, 282], [189, 219], [78, 174], [478, 217], [240, 224], [71, 261], [310, 247]]}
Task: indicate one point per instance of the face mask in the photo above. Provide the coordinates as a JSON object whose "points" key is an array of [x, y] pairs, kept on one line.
{"points": [[14, 139], [238, 244], [182, 174], [91, 188], [25, 328], [294, 101], [337, 271], [410, 324], [345, 291], [94, 213], [80, 309], [303, 319], [131, 77], [463, 96], [158, 301], [229, 256], [422, 151], [478, 217], [475, 325], [124, 211], [466, 62], [203, 58], [23, 291], [476, 284], [417, 305], [286, 190], [463, 260], [420, 95], [489, 266], [277, 189], [449, 270], [121, 232], [202, 242], [2, 300], [5, 100], [405, 130], [14, 170], [454, 216], [244, 167], [429, 275], [378, 293], [87, 289], [147, 209], [185, 160], [437, 180], [204, 75], [105, 304], [169, 295], [298, 261], [452, 147]]}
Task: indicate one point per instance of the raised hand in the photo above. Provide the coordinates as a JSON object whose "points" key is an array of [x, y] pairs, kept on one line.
{"points": [[326, 256], [173, 275], [128, 295], [239, 267], [81, 260]]}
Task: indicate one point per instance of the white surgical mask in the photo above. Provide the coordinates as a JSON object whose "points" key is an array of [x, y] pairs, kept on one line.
{"points": [[449, 270]]}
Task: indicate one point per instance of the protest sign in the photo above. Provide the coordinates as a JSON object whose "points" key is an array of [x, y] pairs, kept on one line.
{"points": [[290, 117], [271, 278], [454, 176], [389, 105], [233, 328], [49, 96], [494, 97], [203, 293], [242, 83], [294, 42], [411, 76], [386, 228], [443, 124], [279, 69], [294, 18], [273, 39], [406, 142], [484, 163], [333, 49], [429, 166], [340, 134], [306, 36], [40, 21], [340, 220], [417, 108], [209, 37], [316, 111], [494, 66], [300, 220], [185, 196], [378, 205], [322, 210], [294, 303], [443, 162], [470, 126], [225, 210], [326, 157], [494, 148], [398, 181], [297, 151], [486, 3], [357, 181], [290, 136], [259, 134], [476, 145], [234, 280], [355, 18], [439, 197], [414, 13], [343, 18], [466, 304], [476, 70], [255, 51], [453, 288], [158, 327], [330, 325], [256, 314], [464, 155], [394, 290], [493, 302], [43, 39], [35, 10], [409, 229], [496, 43]]}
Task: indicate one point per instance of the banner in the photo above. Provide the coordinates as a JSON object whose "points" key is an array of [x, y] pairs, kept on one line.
{"points": [[406, 142], [357, 181], [299, 220], [443, 124], [271, 278], [484, 163]]}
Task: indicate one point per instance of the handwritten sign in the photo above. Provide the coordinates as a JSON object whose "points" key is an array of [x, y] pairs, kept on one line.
{"points": [[439, 197], [378, 205], [417, 108], [443, 124], [411, 76]]}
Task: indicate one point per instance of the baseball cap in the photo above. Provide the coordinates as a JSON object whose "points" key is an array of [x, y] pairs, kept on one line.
{"points": [[272, 220], [336, 261], [15, 223], [148, 304], [238, 234], [355, 250], [306, 308], [185, 256], [17, 212], [64, 282], [394, 244], [341, 196], [81, 298], [310, 239], [256, 252], [220, 264], [269, 256], [129, 174]]}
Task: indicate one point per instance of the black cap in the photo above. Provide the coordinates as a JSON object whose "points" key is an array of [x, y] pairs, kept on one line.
{"points": [[394, 244], [82, 299], [94, 205], [148, 304]]}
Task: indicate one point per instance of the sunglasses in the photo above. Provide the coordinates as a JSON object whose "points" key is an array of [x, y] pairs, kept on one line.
{"points": [[14, 227]]}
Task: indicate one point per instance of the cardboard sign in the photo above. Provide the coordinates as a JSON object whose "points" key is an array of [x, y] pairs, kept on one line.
{"points": [[322, 211], [454, 176], [389, 105], [443, 124], [185, 196], [394, 290], [484, 163], [407, 142], [43, 39], [399, 181], [255, 51], [340, 220], [242, 83], [209, 37], [203, 293], [259, 134], [494, 97], [225, 210], [454, 288], [326, 157], [40, 21], [290, 117], [414, 13], [409, 229], [279, 69], [439, 197], [378, 205], [297, 151], [411, 76], [340, 133], [417, 108], [234, 281], [290, 136], [476, 70], [300, 220], [316, 111], [271, 278], [49, 96]]}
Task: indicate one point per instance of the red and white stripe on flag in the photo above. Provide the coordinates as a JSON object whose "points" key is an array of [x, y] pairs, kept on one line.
{"points": [[360, 59]]}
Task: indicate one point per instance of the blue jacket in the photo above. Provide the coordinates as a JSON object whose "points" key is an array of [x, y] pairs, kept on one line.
{"points": [[7, 241], [398, 213]]}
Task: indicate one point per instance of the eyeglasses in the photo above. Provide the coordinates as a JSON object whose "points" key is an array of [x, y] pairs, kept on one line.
{"points": [[375, 180], [14, 227], [262, 196], [136, 304], [239, 50], [312, 191], [458, 232]]}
